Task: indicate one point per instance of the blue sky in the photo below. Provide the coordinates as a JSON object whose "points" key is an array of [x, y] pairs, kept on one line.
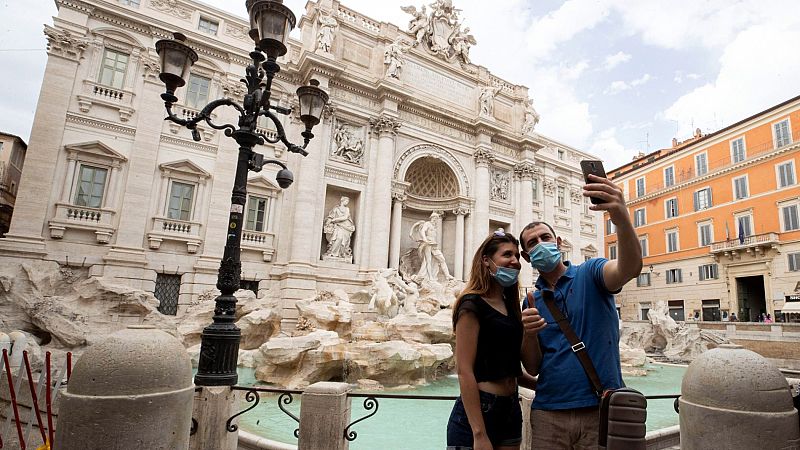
{"points": [[612, 77]]}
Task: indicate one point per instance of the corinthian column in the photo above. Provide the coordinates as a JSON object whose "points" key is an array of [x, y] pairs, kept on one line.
{"points": [[385, 127], [394, 242], [524, 171], [458, 270], [480, 222]]}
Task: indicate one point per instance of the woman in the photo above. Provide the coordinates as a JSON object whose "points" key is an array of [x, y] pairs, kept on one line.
{"points": [[488, 327]]}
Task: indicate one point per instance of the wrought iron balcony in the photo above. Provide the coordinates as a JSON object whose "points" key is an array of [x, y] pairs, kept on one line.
{"points": [[758, 243]]}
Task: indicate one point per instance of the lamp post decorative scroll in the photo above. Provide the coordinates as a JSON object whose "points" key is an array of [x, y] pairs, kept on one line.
{"points": [[271, 22]]}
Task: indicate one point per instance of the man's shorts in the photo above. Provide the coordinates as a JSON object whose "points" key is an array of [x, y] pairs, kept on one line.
{"points": [[502, 417]]}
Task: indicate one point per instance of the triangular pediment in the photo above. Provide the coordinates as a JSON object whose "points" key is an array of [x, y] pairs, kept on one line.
{"points": [[96, 148], [589, 249], [565, 243], [261, 183], [184, 166]]}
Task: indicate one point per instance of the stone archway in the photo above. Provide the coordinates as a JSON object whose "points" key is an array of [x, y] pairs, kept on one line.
{"points": [[421, 151]]}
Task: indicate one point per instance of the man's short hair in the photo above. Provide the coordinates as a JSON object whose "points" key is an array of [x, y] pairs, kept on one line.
{"points": [[533, 225]]}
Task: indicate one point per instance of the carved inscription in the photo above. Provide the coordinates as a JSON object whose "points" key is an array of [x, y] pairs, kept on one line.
{"points": [[437, 84], [356, 53]]}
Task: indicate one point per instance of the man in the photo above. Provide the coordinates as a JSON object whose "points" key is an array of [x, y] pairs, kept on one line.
{"points": [[564, 411]]}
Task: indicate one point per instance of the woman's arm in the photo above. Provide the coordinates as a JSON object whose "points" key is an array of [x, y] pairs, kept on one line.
{"points": [[466, 350]]}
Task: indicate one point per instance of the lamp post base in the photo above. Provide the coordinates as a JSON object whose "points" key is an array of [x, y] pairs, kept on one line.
{"points": [[219, 352]]}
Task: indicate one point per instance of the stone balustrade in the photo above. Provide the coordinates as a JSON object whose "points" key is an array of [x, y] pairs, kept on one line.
{"points": [[165, 229], [259, 241], [96, 93], [98, 220]]}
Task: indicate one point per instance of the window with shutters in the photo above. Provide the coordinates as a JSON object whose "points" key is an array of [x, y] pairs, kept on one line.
{"points": [[674, 276], [782, 134], [702, 199], [669, 176], [639, 218], [705, 233], [610, 227], [789, 216], [643, 280], [744, 222], [672, 241], [737, 150], [640, 188], [701, 164], [671, 208], [612, 251], [740, 189], [643, 244], [708, 272], [794, 262], [786, 174]]}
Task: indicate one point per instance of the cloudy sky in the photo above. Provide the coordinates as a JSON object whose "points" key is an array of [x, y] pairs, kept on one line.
{"points": [[613, 77]]}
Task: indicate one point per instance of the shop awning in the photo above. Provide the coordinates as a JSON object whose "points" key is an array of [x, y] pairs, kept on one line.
{"points": [[791, 307]]}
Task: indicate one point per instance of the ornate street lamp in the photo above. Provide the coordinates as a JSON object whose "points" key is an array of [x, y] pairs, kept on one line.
{"points": [[270, 22]]}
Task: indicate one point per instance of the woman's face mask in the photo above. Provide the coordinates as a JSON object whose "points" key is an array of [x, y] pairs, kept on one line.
{"points": [[545, 256], [505, 276]]}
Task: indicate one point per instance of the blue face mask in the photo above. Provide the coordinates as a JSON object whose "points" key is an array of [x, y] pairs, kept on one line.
{"points": [[505, 276], [545, 256]]}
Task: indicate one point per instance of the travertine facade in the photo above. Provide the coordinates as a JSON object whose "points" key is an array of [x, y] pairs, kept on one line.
{"points": [[109, 184], [12, 159]]}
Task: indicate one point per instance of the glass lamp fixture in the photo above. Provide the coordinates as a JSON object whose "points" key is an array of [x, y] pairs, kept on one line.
{"points": [[176, 60], [272, 21], [312, 101]]}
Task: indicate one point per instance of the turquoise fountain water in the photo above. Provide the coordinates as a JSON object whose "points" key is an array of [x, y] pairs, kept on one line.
{"points": [[421, 424]]}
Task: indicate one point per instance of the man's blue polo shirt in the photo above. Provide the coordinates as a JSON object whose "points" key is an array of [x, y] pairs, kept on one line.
{"points": [[583, 298]]}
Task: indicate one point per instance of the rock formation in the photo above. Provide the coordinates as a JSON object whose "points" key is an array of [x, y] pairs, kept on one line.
{"points": [[676, 341]]}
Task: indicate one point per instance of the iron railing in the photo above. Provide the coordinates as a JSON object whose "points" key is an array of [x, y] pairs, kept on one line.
{"points": [[370, 404]]}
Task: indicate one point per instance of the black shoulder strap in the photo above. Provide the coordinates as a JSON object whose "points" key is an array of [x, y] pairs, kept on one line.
{"points": [[578, 347]]}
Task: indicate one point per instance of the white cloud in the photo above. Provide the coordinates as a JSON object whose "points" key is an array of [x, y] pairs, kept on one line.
{"points": [[610, 150], [680, 76], [757, 71], [561, 25], [618, 86], [616, 59]]}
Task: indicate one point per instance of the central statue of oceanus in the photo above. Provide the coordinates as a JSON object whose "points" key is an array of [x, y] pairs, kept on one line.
{"points": [[426, 234]]}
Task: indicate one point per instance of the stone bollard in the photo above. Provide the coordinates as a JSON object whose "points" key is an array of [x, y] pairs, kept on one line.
{"points": [[732, 398], [324, 414], [19, 341], [5, 344], [132, 390]]}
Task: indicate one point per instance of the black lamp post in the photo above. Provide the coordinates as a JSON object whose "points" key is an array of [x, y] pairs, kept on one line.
{"points": [[270, 21]]}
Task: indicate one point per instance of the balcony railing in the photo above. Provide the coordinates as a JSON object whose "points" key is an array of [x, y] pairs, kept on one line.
{"points": [[119, 99], [262, 241], [758, 241], [98, 220], [165, 229]]}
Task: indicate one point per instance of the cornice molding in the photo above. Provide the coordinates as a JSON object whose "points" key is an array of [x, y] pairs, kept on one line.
{"points": [[204, 148], [345, 175], [94, 123]]}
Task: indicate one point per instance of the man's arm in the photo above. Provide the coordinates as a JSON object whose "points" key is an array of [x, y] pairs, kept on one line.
{"points": [[628, 264]]}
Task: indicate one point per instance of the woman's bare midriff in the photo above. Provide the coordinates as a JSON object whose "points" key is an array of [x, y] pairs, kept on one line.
{"points": [[504, 386]]}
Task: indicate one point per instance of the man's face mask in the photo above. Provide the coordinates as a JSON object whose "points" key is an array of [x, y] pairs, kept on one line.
{"points": [[545, 256]]}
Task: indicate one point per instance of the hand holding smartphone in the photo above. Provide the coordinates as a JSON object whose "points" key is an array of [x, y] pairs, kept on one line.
{"points": [[593, 167]]}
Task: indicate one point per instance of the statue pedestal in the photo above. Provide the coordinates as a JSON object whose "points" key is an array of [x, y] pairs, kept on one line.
{"points": [[348, 260]]}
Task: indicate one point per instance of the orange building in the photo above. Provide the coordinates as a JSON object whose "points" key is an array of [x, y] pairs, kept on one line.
{"points": [[718, 217]]}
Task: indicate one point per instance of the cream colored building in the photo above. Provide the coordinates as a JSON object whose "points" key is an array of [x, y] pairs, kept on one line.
{"points": [[12, 158], [111, 185]]}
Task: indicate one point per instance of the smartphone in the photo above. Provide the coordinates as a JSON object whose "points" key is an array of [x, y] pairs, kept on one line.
{"points": [[593, 167]]}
